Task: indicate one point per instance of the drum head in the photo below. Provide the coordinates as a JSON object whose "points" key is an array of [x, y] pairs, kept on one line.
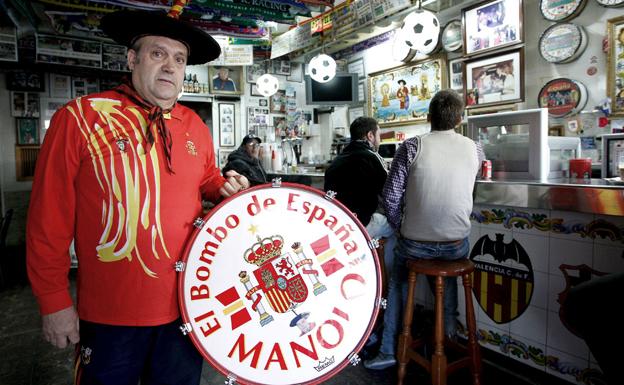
{"points": [[280, 286]]}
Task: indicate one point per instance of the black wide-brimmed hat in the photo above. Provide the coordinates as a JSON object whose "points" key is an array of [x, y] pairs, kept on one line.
{"points": [[126, 26]]}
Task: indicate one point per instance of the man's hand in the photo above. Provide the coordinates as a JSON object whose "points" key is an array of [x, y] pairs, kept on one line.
{"points": [[61, 326], [234, 182]]}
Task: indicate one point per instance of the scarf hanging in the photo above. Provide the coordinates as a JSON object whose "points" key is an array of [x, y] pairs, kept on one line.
{"points": [[155, 121]]}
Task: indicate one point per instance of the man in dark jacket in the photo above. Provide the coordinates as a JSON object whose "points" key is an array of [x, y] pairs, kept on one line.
{"points": [[358, 174], [245, 160]]}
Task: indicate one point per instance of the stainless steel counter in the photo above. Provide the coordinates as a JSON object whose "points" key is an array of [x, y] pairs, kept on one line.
{"points": [[594, 196]]}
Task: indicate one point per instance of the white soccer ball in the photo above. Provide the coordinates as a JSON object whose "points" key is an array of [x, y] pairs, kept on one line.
{"points": [[421, 30], [322, 68], [267, 84]]}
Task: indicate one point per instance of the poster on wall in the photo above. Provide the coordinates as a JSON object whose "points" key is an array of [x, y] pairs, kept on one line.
{"points": [[227, 124], [114, 57], [68, 51], [491, 25], [8, 43], [82, 86], [615, 65], [402, 95], [24, 104]]}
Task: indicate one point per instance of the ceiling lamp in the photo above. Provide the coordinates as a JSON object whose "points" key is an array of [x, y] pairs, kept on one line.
{"points": [[322, 68], [421, 31], [267, 85]]}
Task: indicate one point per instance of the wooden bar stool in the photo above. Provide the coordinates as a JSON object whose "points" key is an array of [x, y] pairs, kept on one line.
{"points": [[438, 366]]}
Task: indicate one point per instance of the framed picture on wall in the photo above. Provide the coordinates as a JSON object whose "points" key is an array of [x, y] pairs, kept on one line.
{"points": [[24, 104], [60, 86], [223, 157], [25, 81], [401, 95], [253, 90], [227, 125], [495, 79], [278, 102], [281, 67], [256, 70], [615, 64], [296, 72], [27, 131], [456, 75], [226, 80], [492, 24]]}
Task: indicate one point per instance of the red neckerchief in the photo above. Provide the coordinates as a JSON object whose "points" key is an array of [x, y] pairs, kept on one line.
{"points": [[156, 121]]}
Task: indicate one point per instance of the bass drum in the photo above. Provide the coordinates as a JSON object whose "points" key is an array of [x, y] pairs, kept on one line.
{"points": [[280, 285]]}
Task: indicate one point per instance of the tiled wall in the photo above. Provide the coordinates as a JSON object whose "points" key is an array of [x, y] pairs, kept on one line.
{"points": [[537, 337]]}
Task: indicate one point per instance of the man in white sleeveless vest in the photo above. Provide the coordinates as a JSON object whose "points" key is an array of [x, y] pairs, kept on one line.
{"points": [[428, 198]]}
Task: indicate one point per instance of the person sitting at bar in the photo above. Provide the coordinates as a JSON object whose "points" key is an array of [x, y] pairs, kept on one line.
{"points": [[428, 199], [246, 161]]}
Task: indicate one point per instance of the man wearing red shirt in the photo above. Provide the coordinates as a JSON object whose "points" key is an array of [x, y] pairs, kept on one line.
{"points": [[123, 173]]}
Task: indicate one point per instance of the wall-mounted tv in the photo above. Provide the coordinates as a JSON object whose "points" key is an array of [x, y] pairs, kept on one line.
{"points": [[342, 89]]}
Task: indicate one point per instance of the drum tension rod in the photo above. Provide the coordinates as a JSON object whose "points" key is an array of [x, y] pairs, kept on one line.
{"points": [[354, 359], [276, 182], [231, 379], [373, 243], [186, 328], [198, 222], [330, 195]]}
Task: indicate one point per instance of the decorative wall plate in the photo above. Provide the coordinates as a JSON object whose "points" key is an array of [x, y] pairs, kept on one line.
{"points": [[562, 97], [452, 36], [562, 43], [611, 3], [561, 10]]}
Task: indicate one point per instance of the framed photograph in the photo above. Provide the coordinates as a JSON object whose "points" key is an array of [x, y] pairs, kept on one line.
{"points": [[82, 86], [281, 67], [280, 125], [8, 43], [491, 25], [227, 125], [49, 106], [357, 67], [296, 72], [60, 86], [25, 81], [24, 104], [223, 157], [226, 80], [27, 131], [263, 102], [253, 90], [257, 117], [278, 102], [401, 95], [55, 49], [495, 79], [256, 70], [456, 75], [615, 65], [354, 113]]}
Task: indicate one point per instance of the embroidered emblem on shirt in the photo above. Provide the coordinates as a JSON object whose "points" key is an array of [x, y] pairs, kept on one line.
{"points": [[122, 143], [190, 147], [85, 354]]}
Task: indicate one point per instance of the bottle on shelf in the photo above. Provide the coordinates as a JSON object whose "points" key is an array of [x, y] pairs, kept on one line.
{"points": [[195, 84]]}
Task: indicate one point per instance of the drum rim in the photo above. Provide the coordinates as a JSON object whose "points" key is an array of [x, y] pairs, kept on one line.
{"points": [[181, 275]]}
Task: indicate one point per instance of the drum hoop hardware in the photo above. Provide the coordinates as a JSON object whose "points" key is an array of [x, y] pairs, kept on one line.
{"points": [[231, 379], [330, 195], [354, 359], [383, 303], [198, 222], [276, 182], [373, 243], [180, 266], [186, 328]]}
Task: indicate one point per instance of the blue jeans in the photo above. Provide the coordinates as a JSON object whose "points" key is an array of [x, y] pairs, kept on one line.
{"points": [[378, 227], [397, 287]]}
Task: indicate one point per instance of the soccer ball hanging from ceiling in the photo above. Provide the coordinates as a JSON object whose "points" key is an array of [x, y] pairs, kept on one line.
{"points": [[267, 84], [322, 68], [421, 30]]}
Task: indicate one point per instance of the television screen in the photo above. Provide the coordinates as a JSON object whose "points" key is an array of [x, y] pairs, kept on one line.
{"points": [[342, 89]]}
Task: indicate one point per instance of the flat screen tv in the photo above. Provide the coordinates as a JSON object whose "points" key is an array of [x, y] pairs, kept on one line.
{"points": [[341, 90]]}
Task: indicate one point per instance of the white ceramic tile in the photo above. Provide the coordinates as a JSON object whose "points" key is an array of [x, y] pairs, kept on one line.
{"points": [[565, 251], [535, 358], [536, 247], [529, 216], [485, 320], [531, 324], [556, 285], [609, 259], [560, 338], [540, 290], [475, 234], [571, 220], [565, 365], [616, 221]]}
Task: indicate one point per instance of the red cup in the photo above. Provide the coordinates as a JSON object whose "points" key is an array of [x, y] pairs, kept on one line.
{"points": [[580, 168]]}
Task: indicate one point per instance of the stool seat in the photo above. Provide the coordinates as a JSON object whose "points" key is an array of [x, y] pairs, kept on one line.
{"points": [[438, 365], [442, 268]]}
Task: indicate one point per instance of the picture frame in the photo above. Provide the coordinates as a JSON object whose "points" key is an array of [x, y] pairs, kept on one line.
{"points": [[257, 117], [55, 49], [223, 157], [296, 72], [264, 102], [494, 79], [82, 86], [253, 90], [25, 104], [357, 67], [280, 124], [49, 106], [25, 81], [456, 75], [615, 65], [8, 43], [491, 25], [227, 125], [27, 131], [354, 113], [277, 102], [255, 70], [226, 80], [60, 86], [281, 67], [401, 95]]}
